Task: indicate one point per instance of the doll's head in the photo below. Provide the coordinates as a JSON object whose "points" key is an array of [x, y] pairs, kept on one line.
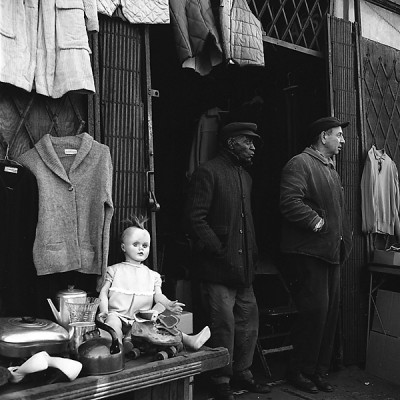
{"points": [[135, 241]]}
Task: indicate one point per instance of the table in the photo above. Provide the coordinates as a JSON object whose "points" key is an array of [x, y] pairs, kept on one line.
{"points": [[384, 271], [153, 380]]}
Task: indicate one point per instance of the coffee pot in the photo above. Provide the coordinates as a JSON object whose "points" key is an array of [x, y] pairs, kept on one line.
{"points": [[70, 295]]}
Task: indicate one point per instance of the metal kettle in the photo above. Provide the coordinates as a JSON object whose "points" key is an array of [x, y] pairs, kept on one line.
{"points": [[70, 295], [100, 355]]}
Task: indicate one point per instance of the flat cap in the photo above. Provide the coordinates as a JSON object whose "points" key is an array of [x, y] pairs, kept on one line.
{"points": [[323, 124], [238, 128]]}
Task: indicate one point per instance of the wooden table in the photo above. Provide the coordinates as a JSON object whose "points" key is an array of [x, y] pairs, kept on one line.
{"points": [[143, 379]]}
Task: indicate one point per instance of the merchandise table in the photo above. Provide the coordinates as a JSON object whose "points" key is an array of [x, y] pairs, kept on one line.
{"points": [[142, 378], [383, 272]]}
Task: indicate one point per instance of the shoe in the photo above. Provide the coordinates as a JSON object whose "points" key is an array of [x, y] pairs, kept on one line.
{"points": [[320, 382], [251, 386], [299, 381], [223, 391]]}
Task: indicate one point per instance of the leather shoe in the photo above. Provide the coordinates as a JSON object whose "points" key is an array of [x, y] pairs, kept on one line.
{"points": [[251, 386], [320, 382], [223, 391], [299, 381]]}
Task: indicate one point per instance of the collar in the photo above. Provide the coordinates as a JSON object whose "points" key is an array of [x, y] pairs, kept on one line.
{"points": [[317, 154]]}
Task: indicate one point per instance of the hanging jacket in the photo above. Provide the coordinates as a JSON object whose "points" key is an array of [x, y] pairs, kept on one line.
{"points": [[241, 33], [380, 197], [196, 36], [46, 48], [74, 175], [137, 11]]}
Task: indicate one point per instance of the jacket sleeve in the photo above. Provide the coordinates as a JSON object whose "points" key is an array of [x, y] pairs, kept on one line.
{"points": [[92, 21], [200, 196], [296, 204]]}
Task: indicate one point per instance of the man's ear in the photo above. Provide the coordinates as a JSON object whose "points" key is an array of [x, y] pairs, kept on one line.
{"points": [[322, 136]]}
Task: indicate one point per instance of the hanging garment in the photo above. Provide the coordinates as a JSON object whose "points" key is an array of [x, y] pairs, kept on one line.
{"points": [[205, 139], [47, 47], [380, 198], [74, 175], [241, 33], [137, 11], [18, 216], [196, 36]]}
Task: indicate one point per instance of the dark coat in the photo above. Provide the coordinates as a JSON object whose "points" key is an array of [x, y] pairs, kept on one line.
{"points": [[311, 188], [220, 222]]}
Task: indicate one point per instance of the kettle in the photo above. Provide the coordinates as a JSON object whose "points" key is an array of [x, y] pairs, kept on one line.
{"points": [[70, 295]]}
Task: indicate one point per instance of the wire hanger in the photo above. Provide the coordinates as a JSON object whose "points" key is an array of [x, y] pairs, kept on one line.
{"points": [[6, 160]]}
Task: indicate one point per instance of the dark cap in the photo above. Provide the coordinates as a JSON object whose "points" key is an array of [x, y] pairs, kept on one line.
{"points": [[323, 124], [237, 129]]}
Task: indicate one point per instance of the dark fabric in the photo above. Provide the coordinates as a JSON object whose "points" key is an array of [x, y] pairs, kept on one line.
{"points": [[233, 321], [18, 216], [311, 189], [315, 288], [220, 223]]}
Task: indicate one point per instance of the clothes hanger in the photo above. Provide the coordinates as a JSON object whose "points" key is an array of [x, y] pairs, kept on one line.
{"points": [[8, 161]]}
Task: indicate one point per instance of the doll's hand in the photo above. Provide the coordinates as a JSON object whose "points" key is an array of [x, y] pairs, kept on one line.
{"points": [[175, 306], [103, 316]]}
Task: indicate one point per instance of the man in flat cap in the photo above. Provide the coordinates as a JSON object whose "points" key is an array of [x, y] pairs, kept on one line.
{"points": [[316, 239], [220, 222]]}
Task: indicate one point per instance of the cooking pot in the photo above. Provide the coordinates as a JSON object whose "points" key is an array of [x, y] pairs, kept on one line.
{"points": [[100, 355], [22, 337]]}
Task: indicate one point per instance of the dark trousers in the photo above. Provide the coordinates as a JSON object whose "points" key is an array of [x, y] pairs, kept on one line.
{"points": [[315, 289], [233, 320]]}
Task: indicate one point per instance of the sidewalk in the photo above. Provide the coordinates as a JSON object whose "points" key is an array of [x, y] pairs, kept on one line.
{"points": [[351, 383]]}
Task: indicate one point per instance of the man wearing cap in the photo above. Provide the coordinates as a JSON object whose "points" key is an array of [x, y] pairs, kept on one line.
{"points": [[220, 223], [316, 239]]}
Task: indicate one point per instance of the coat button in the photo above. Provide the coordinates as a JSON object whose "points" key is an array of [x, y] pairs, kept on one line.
{"points": [[240, 251], [71, 188], [240, 230]]}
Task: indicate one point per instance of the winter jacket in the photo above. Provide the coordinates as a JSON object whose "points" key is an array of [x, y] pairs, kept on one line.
{"points": [[380, 197], [74, 175], [310, 190], [219, 220], [137, 11], [46, 48], [241, 33]]}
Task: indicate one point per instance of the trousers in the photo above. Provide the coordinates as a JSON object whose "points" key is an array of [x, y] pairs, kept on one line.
{"points": [[315, 288], [233, 320]]}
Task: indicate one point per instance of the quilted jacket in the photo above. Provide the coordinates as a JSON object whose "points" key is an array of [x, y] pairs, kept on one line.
{"points": [[47, 46], [198, 42], [137, 11]]}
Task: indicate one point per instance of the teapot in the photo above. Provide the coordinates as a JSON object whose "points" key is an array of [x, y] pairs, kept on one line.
{"points": [[70, 295]]}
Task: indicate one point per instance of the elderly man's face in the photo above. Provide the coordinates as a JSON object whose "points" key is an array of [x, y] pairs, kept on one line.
{"points": [[243, 147]]}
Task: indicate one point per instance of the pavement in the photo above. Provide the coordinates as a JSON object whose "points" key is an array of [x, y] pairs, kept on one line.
{"points": [[349, 383]]}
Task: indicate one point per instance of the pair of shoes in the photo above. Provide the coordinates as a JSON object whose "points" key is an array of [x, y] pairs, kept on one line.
{"points": [[298, 380], [223, 391], [251, 385], [320, 382]]}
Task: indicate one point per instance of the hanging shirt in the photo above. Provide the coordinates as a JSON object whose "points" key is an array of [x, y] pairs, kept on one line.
{"points": [[380, 199]]}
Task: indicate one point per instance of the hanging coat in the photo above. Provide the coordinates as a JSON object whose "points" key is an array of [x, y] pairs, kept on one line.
{"points": [[46, 48]]}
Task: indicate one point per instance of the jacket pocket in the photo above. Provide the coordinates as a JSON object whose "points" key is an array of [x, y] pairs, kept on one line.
{"points": [[56, 256], [87, 256], [7, 20], [70, 25]]}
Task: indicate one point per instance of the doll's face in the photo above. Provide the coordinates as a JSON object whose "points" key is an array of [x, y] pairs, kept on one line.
{"points": [[136, 244]]}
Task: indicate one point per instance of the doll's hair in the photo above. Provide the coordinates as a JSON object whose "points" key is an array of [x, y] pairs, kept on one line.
{"points": [[133, 222]]}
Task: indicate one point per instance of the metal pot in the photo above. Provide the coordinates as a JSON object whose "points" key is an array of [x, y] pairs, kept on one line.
{"points": [[71, 295], [100, 356], [26, 336]]}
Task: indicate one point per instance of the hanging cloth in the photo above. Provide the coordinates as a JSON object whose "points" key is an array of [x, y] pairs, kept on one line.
{"points": [[380, 196]]}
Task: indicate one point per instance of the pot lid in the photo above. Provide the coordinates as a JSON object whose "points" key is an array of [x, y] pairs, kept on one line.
{"points": [[71, 292], [30, 330]]}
